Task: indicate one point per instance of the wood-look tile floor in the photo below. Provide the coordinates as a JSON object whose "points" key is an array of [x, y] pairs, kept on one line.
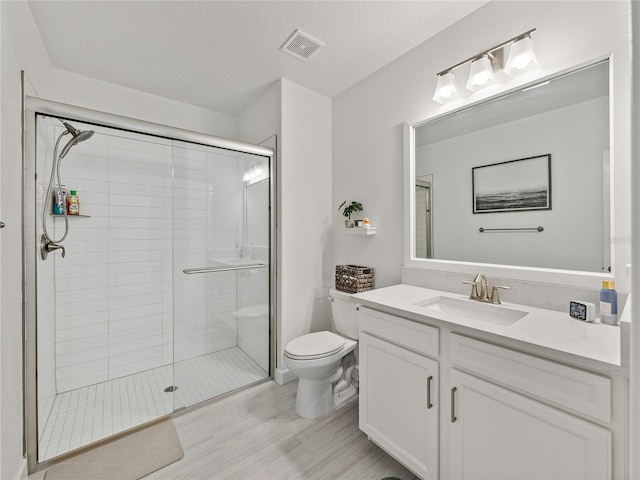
{"points": [[256, 435]]}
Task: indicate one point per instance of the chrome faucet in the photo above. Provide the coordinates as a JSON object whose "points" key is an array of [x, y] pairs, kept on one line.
{"points": [[483, 294]]}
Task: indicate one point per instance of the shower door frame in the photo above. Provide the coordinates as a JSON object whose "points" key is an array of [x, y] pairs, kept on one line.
{"points": [[34, 106]]}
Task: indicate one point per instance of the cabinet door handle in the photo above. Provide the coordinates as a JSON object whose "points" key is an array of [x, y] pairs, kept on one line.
{"points": [[453, 404], [429, 404]]}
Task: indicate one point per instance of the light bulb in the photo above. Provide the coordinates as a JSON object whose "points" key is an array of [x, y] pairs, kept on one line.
{"points": [[481, 73], [446, 89], [521, 57]]}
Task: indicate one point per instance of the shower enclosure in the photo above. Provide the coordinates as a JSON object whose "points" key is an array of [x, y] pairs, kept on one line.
{"points": [[164, 298]]}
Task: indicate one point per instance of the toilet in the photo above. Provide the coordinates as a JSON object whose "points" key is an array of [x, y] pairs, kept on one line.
{"points": [[326, 361]]}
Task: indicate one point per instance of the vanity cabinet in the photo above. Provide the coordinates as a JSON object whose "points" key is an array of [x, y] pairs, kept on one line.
{"points": [[477, 410], [509, 433], [494, 433], [399, 393]]}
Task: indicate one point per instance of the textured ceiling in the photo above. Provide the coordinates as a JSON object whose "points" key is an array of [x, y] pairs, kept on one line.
{"points": [[221, 55]]}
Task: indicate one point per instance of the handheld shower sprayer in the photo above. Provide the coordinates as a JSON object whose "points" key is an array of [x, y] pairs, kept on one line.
{"points": [[77, 137], [48, 244]]}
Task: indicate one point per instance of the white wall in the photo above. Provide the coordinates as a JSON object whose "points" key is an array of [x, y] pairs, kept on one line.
{"points": [[21, 50], [305, 213], [576, 138], [368, 118], [261, 119], [95, 94], [302, 119]]}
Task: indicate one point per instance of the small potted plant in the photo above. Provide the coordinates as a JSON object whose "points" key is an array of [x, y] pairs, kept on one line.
{"points": [[348, 211]]}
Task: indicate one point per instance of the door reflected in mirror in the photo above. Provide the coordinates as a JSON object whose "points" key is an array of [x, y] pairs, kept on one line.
{"points": [[566, 118], [424, 241]]}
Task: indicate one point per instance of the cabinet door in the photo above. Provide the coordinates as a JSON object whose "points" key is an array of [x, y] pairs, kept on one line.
{"points": [[494, 434], [398, 403]]}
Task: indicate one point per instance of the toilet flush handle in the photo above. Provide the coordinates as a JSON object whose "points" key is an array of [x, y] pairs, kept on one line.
{"points": [[330, 299]]}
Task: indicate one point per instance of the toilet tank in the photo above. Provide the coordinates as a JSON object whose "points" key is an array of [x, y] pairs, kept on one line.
{"points": [[345, 315]]}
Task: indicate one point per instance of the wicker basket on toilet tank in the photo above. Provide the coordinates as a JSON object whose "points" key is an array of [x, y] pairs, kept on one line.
{"points": [[354, 278]]}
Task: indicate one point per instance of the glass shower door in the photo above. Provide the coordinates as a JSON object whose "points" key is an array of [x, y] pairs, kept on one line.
{"points": [[221, 225], [104, 353], [162, 299]]}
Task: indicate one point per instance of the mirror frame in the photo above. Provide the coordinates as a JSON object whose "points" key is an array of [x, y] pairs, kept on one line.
{"points": [[619, 134]]}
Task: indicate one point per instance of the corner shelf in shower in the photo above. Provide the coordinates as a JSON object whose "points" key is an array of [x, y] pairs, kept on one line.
{"points": [[69, 216], [360, 231]]}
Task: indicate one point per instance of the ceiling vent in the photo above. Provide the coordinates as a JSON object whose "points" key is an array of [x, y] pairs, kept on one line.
{"points": [[301, 46]]}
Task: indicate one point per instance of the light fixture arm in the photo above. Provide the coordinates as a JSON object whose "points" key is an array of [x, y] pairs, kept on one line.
{"points": [[489, 51]]}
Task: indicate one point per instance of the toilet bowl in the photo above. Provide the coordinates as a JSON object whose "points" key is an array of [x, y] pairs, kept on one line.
{"points": [[325, 361]]}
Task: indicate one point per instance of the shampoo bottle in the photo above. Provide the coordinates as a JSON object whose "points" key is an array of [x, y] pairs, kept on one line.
{"points": [[608, 303], [73, 203]]}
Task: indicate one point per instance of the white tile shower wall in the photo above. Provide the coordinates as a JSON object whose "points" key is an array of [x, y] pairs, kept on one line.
{"points": [[165, 264], [137, 183], [46, 286], [150, 209], [189, 207], [81, 295], [224, 214], [110, 289], [204, 223]]}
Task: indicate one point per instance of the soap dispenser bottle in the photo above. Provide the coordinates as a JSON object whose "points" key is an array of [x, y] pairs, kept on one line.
{"points": [[608, 303]]}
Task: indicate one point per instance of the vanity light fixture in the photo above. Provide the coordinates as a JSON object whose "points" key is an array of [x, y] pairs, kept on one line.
{"points": [[484, 64], [521, 55], [447, 87], [480, 73]]}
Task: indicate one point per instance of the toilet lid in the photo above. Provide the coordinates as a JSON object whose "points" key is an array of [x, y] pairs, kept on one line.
{"points": [[314, 345]]}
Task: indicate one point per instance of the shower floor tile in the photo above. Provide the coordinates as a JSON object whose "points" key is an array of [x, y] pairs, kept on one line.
{"points": [[86, 415]]}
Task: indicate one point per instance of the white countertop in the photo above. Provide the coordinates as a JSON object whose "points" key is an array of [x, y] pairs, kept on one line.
{"points": [[593, 344]]}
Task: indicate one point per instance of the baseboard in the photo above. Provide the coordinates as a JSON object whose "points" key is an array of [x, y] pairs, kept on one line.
{"points": [[284, 375]]}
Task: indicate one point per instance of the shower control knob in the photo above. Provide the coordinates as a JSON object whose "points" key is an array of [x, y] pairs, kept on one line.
{"points": [[1, 224]]}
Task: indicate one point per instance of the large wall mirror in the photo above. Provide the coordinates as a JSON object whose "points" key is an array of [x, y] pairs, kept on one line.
{"points": [[521, 180]]}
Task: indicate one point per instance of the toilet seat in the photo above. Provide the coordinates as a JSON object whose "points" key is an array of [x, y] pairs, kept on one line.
{"points": [[314, 345]]}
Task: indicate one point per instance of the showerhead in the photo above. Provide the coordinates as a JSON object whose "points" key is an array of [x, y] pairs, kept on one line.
{"points": [[78, 136]]}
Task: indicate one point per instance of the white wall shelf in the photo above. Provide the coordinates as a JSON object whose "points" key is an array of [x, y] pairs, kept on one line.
{"points": [[360, 231]]}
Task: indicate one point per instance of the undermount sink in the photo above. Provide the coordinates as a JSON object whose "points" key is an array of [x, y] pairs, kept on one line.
{"points": [[485, 312]]}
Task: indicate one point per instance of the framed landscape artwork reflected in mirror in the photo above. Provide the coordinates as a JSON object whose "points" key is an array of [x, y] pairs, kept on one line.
{"points": [[515, 185]]}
